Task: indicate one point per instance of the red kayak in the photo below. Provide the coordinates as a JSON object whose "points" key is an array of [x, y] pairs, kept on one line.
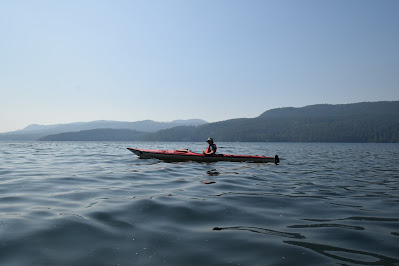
{"points": [[187, 155]]}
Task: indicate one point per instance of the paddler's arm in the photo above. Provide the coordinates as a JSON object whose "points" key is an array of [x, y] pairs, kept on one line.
{"points": [[209, 153]]}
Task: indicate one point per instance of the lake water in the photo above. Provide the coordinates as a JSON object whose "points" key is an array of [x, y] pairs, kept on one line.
{"points": [[96, 203]]}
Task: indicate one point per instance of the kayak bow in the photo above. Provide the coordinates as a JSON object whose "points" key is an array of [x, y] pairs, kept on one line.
{"points": [[187, 155]]}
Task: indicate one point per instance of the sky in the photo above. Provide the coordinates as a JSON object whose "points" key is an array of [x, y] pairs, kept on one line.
{"points": [[74, 61]]}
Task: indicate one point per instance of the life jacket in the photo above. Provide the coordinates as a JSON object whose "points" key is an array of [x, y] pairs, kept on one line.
{"points": [[208, 150]]}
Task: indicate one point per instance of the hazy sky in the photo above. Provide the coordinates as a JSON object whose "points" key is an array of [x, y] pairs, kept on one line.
{"points": [[69, 61]]}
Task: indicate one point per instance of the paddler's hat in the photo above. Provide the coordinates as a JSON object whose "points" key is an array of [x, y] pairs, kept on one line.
{"points": [[209, 139]]}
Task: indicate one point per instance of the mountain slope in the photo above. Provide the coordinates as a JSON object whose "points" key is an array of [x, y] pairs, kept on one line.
{"points": [[360, 122], [338, 110]]}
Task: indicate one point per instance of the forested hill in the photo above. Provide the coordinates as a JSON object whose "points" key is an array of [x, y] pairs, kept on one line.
{"points": [[359, 122], [339, 110]]}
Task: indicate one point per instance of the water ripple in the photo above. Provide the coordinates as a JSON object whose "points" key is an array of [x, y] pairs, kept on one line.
{"points": [[93, 203], [259, 230]]}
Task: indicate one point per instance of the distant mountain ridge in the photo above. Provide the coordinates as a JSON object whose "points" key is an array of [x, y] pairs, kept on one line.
{"points": [[357, 122], [34, 131], [103, 134], [145, 125]]}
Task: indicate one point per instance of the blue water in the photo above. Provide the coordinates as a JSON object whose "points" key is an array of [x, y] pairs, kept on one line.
{"points": [[96, 203]]}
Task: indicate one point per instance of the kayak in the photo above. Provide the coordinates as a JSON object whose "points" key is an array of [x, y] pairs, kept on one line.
{"points": [[187, 155]]}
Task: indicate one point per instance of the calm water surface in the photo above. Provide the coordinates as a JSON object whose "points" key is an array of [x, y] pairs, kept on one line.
{"points": [[93, 203]]}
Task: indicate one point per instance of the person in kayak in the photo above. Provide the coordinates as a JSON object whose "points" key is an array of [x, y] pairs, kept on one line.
{"points": [[211, 147]]}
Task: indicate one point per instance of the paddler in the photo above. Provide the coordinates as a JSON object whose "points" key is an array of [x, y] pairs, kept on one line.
{"points": [[211, 147]]}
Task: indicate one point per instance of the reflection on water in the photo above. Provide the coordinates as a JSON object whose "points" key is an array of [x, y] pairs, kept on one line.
{"points": [[66, 203], [212, 172]]}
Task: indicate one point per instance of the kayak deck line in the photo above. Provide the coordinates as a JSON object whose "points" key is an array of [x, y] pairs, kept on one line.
{"points": [[187, 155]]}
